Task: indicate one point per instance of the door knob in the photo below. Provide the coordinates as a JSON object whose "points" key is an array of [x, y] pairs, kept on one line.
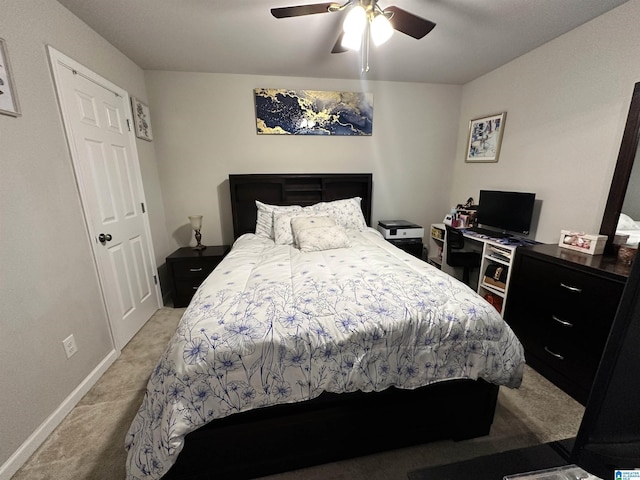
{"points": [[104, 238]]}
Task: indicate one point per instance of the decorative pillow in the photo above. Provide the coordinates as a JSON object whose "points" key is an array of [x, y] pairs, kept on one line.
{"points": [[282, 233], [315, 239], [264, 222], [625, 222], [347, 213]]}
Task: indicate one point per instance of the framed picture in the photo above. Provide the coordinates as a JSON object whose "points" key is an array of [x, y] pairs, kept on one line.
{"points": [[141, 120], [485, 138], [8, 98]]}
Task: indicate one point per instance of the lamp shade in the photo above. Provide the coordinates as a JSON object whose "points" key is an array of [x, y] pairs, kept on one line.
{"points": [[353, 27], [381, 30], [196, 221]]}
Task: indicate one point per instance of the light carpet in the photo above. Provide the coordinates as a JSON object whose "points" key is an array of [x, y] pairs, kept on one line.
{"points": [[89, 443]]}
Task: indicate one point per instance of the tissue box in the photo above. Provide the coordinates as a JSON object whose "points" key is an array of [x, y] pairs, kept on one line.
{"points": [[582, 242]]}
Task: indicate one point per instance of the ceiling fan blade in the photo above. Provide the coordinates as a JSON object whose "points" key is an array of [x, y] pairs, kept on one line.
{"points": [[338, 48], [409, 23], [297, 11]]}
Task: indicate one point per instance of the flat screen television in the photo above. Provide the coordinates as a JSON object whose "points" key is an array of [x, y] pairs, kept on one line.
{"points": [[507, 212]]}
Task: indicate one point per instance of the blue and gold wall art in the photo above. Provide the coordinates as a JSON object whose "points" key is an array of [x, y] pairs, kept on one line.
{"points": [[310, 112]]}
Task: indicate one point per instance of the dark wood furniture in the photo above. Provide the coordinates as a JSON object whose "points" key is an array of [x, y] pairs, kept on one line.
{"points": [[620, 182], [188, 268], [332, 426], [412, 246], [561, 306]]}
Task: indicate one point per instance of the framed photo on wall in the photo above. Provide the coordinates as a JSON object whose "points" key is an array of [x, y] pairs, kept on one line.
{"points": [[485, 138], [8, 98], [141, 120]]}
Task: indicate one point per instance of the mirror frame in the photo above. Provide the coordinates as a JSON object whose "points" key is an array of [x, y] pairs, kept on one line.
{"points": [[622, 172]]}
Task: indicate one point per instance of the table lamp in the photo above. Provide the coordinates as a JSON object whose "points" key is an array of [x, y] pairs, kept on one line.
{"points": [[196, 224]]}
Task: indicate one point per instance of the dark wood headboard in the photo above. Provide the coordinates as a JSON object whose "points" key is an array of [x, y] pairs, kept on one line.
{"points": [[293, 189]]}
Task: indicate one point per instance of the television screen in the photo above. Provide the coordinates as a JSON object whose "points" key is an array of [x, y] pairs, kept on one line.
{"points": [[506, 211]]}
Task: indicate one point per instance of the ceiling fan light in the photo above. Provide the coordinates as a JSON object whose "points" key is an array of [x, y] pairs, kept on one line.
{"points": [[355, 21], [351, 40], [381, 30]]}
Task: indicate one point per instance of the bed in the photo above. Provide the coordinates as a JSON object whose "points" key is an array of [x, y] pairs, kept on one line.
{"points": [[316, 340]]}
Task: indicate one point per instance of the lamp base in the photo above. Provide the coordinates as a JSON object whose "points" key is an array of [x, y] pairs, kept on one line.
{"points": [[199, 247]]}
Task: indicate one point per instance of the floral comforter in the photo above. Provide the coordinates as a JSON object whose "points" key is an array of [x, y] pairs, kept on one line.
{"points": [[274, 325]]}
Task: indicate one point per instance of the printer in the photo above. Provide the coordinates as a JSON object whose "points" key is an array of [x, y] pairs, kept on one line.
{"points": [[400, 229]]}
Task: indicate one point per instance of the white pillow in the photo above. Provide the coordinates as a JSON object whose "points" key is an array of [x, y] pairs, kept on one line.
{"points": [[264, 222], [625, 222], [314, 239], [282, 233], [347, 213]]}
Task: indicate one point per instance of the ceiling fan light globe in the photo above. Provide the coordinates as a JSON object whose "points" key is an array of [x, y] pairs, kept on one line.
{"points": [[381, 30], [351, 40], [355, 21]]}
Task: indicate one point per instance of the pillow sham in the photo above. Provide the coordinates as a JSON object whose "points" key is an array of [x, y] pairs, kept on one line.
{"points": [[347, 213], [315, 239], [264, 221]]}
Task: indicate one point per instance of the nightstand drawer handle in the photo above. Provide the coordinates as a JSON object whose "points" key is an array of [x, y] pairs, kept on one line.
{"points": [[557, 355], [195, 269], [570, 288], [195, 288], [564, 323]]}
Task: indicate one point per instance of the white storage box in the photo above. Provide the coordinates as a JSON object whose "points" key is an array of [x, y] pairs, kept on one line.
{"points": [[582, 242]]}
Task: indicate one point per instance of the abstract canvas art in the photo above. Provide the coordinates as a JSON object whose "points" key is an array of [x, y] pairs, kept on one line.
{"points": [[310, 112]]}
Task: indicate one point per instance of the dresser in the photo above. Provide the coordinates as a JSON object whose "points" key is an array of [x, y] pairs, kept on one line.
{"points": [[188, 268], [561, 307]]}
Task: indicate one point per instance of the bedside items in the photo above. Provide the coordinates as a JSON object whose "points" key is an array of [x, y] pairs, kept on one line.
{"points": [[188, 268]]}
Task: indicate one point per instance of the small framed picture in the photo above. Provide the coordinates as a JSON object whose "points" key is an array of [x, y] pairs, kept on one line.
{"points": [[141, 120], [8, 98], [485, 138]]}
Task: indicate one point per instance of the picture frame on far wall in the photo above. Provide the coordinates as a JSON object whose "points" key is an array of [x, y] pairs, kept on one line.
{"points": [[8, 97], [485, 138], [141, 119]]}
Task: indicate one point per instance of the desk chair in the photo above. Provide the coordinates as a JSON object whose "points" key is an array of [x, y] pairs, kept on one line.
{"points": [[458, 258]]}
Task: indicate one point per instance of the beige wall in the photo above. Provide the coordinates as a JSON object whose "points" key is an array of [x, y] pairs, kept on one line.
{"points": [[566, 105], [205, 129], [48, 281]]}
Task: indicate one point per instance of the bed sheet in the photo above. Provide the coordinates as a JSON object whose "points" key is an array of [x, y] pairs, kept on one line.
{"points": [[274, 325]]}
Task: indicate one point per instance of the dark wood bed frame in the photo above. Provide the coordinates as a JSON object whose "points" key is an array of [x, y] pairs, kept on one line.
{"points": [[333, 426]]}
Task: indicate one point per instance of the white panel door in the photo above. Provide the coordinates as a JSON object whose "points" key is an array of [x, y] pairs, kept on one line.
{"points": [[105, 160]]}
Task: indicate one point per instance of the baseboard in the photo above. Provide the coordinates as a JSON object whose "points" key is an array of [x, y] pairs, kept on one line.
{"points": [[37, 438]]}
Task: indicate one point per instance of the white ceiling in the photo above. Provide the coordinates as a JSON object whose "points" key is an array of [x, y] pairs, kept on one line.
{"points": [[471, 38]]}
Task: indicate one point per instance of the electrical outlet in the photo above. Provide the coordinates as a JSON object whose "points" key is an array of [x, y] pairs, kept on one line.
{"points": [[70, 346]]}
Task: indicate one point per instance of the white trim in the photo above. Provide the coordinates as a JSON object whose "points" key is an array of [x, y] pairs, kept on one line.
{"points": [[37, 438]]}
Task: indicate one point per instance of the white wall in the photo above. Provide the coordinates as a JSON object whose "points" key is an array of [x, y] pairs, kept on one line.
{"points": [[48, 281], [566, 105], [204, 129]]}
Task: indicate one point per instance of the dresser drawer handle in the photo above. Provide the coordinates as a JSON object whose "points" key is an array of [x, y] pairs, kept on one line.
{"points": [[557, 355], [195, 269], [564, 323], [195, 288], [570, 288]]}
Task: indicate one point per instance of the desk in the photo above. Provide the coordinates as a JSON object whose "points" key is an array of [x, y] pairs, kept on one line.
{"points": [[494, 251]]}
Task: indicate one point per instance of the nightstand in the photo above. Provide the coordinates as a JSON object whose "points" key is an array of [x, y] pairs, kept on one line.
{"points": [[188, 268]]}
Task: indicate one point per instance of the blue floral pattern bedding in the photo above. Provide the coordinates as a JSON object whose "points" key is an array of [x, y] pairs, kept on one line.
{"points": [[274, 325]]}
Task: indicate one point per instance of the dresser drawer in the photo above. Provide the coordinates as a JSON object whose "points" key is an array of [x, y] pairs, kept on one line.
{"points": [[562, 313]]}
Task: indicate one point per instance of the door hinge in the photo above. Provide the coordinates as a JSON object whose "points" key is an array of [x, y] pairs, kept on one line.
{"points": [[155, 279], [129, 124], [142, 205]]}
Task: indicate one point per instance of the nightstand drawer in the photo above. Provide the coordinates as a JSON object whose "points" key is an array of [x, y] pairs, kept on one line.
{"points": [[188, 268], [194, 268]]}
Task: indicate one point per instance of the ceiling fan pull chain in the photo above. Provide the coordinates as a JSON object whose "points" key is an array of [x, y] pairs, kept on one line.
{"points": [[365, 50]]}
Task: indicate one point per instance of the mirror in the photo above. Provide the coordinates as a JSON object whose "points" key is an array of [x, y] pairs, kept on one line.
{"points": [[622, 173]]}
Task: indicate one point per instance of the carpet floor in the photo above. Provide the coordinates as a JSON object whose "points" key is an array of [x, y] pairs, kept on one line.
{"points": [[89, 443]]}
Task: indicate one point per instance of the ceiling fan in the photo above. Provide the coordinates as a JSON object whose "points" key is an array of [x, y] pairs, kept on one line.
{"points": [[365, 19]]}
